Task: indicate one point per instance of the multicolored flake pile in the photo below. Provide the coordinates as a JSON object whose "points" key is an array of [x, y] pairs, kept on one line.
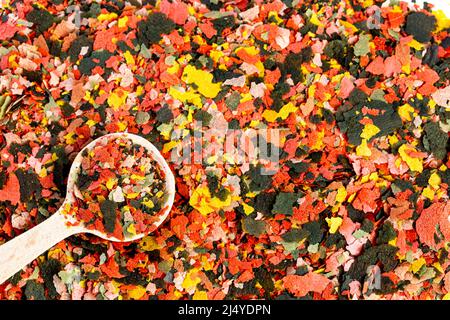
{"points": [[358, 205], [120, 189]]}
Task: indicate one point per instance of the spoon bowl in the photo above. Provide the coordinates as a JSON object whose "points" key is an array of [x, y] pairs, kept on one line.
{"points": [[20, 251], [154, 154]]}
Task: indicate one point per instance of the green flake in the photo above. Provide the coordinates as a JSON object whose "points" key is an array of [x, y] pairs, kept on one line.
{"points": [[362, 47], [203, 116], [108, 209], [34, 291], [142, 117], [233, 100], [284, 203], [41, 18], [150, 30], [253, 227]]}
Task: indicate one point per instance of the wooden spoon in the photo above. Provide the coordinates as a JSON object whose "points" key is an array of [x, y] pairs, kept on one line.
{"points": [[20, 251]]}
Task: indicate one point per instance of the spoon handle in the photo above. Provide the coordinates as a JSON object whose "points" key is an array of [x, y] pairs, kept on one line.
{"points": [[23, 249]]}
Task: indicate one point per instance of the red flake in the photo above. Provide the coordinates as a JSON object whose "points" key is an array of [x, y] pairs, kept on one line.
{"points": [[111, 268], [302, 285], [7, 31], [208, 29], [434, 216], [176, 10], [376, 66], [11, 190], [178, 225]]}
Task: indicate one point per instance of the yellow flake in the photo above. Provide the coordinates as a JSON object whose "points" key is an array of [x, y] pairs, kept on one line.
{"points": [[254, 123], [367, 3], [110, 183], [169, 146], [416, 45], [131, 229], [246, 97], [443, 22], [139, 90], [149, 244], [12, 58], [216, 55], [406, 68], [432, 104], [348, 25], [405, 112], [60, 255], [369, 131], [122, 22], [247, 209], [122, 126], [319, 143], [203, 81], [218, 204], [416, 265], [341, 194], [334, 223], [393, 242], [351, 197], [415, 164], [132, 195], [165, 129], [393, 139], [365, 178], [270, 115], [253, 51], [200, 295], [191, 280], [128, 58], [187, 96], [70, 138], [192, 11], [91, 123], [106, 16], [363, 150], [428, 193], [87, 96], [286, 110], [435, 181], [148, 203], [260, 66], [206, 265], [446, 297], [137, 292], [117, 98], [200, 200], [137, 177], [315, 20], [212, 159], [274, 16], [438, 266], [311, 91], [43, 173]]}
